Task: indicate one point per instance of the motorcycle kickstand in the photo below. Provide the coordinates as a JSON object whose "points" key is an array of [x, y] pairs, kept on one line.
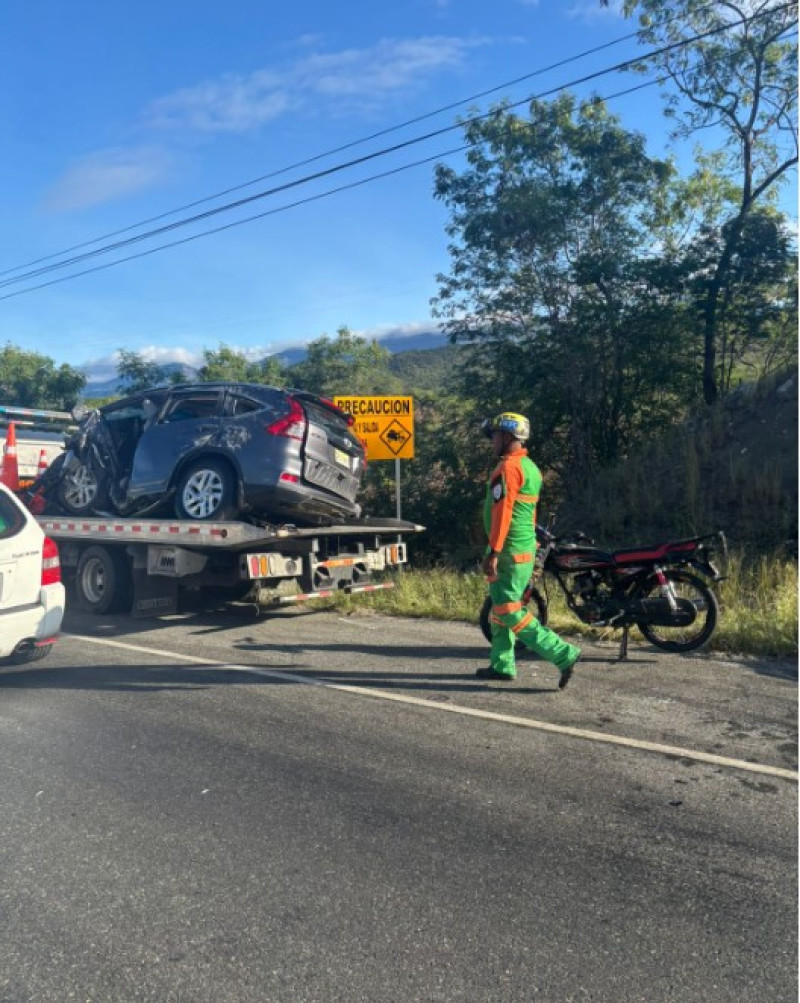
{"points": [[623, 646]]}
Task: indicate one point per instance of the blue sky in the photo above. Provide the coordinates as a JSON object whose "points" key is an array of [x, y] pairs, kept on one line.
{"points": [[113, 114]]}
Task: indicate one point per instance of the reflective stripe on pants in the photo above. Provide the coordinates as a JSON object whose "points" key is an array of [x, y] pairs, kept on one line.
{"points": [[511, 622]]}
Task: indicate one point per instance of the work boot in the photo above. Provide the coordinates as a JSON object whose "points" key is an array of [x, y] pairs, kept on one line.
{"points": [[566, 674], [490, 673]]}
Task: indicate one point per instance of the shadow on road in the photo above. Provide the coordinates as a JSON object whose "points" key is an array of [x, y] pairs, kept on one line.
{"points": [[138, 678]]}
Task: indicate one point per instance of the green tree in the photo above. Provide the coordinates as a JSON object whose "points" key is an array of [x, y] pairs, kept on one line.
{"points": [[757, 301], [442, 486], [28, 379], [559, 282], [136, 373], [346, 364], [741, 79], [226, 364]]}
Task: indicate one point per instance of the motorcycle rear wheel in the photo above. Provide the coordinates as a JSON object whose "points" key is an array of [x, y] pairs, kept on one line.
{"points": [[537, 605], [696, 634]]}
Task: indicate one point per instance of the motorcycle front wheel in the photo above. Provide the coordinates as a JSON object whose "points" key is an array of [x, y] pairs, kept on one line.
{"points": [[537, 604], [697, 633]]}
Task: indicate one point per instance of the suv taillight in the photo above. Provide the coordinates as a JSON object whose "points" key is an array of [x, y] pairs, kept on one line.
{"points": [[291, 425], [337, 410], [51, 563]]}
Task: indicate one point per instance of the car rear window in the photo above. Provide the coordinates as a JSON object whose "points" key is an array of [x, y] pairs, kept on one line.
{"points": [[12, 519], [321, 415], [243, 405], [196, 406]]}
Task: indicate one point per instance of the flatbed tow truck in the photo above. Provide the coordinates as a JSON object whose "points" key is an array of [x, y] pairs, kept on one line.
{"points": [[141, 565]]}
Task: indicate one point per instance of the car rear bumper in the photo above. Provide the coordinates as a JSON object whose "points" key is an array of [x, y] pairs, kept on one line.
{"points": [[37, 622], [290, 502]]}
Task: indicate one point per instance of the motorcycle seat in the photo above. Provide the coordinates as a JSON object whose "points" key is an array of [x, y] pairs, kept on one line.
{"points": [[653, 553]]}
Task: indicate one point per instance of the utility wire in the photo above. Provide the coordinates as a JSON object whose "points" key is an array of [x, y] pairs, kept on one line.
{"points": [[342, 148], [626, 64], [300, 202], [340, 167]]}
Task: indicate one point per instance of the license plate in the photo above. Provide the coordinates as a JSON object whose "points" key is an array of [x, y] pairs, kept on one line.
{"points": [[341, 457]]}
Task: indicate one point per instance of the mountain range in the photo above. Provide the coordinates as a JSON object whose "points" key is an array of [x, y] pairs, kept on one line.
{"points": [[396, 344]]}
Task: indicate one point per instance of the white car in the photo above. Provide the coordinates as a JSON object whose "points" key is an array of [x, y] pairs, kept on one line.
{"points": [[31, 592]]}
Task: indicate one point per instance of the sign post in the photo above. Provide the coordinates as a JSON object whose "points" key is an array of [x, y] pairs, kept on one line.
{"points": [[397, 487], [385, 426]]}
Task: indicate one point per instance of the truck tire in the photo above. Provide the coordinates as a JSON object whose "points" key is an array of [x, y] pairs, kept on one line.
{"points": [[103, 582]]}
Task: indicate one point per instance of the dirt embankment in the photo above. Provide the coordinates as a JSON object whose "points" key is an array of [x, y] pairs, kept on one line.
{"points": [[731, 467]]}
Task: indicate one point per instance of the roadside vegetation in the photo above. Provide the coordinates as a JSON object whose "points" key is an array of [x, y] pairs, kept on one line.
{"points": [[758, 605]]}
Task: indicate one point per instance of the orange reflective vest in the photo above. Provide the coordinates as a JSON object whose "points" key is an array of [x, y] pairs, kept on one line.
{"points": [[509, 511]]}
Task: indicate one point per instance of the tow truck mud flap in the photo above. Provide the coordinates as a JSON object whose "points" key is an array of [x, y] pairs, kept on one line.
{"points": [[153, 595]]}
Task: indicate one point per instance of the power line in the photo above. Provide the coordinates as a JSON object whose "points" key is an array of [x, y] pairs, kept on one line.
{"points": [[340, 167], [329, 153], [625, 64], [345, 146], [293, 205]]}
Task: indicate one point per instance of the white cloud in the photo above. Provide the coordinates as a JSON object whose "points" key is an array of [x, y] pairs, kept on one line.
{"points": [[590, 11], [104, 367], [408, 330], [231, 104], [106, 175], [357, 78]]}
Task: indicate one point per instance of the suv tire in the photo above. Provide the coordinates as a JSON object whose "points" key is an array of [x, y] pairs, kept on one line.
{"points": [[206, 491], [82, 490]]}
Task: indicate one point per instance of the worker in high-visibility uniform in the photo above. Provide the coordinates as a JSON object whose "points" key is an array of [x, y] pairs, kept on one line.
{"points": [[510, 524]]}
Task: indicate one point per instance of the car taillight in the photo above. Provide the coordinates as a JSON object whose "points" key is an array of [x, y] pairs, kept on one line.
{"points": [[335, 407], [51, 564], [291, 425]]}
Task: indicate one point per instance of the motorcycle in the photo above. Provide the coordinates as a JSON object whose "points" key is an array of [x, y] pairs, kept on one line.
{"points": [[658, 589]]}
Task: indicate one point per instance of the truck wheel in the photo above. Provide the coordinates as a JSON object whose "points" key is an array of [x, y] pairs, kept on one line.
{"points": [[103, 582], [206, 490]]}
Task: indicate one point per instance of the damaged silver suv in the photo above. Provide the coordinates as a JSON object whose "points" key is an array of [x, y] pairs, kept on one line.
{"points": [[211, 451]]}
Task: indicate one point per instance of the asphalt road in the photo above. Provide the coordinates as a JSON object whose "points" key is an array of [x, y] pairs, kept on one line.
{"points": [[310, 807]]}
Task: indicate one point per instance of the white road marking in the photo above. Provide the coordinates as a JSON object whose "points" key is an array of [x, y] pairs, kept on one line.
{"points": [[486, 715]]}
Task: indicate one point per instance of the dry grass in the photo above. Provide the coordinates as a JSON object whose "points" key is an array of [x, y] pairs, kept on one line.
{"points": [[758, 604]]}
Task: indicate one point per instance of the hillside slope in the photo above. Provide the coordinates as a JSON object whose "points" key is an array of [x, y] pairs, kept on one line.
{"points": [[733, 467]]}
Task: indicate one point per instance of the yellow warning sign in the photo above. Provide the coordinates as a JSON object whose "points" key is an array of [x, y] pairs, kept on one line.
{"points": [[385, 425]]}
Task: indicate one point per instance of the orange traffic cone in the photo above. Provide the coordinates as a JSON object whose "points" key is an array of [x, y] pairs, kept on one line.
{"points": [[41, 467], [10, 472]]}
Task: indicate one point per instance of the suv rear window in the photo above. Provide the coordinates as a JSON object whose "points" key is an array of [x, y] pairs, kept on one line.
{"points": [[196, 406], [320, 415]]}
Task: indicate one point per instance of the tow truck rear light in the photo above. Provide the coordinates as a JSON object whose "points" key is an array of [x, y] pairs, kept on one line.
{"points": [[51, 563], [291, 425], [292, 478]]}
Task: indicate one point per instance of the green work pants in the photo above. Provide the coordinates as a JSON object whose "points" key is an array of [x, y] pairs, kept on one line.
{"points": [[512, 622]]}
